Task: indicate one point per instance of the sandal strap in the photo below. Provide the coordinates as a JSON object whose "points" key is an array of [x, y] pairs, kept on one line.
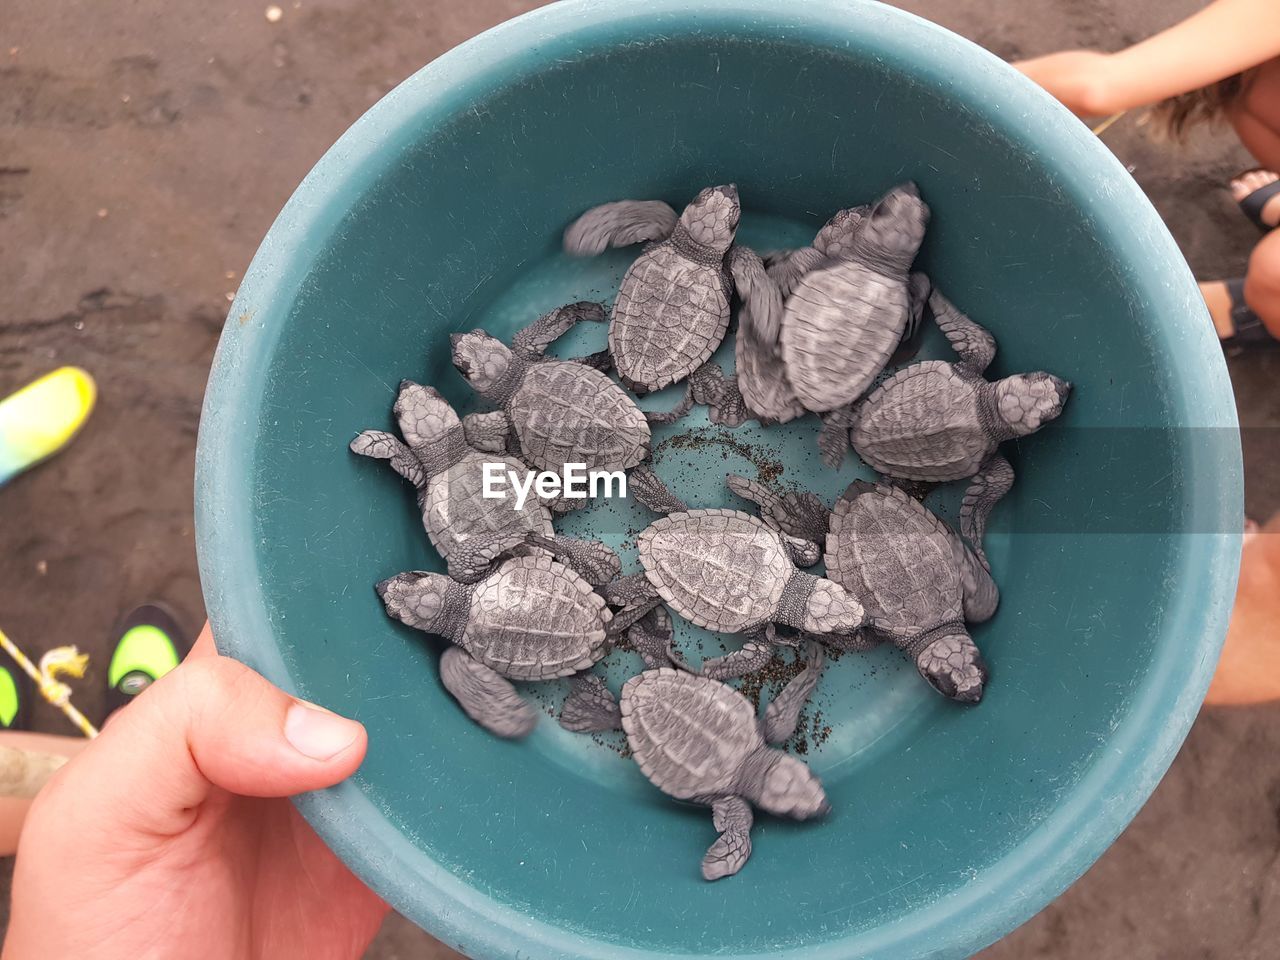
{"points": [[1253, 204], [1249, 326]]}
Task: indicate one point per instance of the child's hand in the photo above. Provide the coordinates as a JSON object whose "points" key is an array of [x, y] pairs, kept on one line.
{"points": [[1078, 78], [164, 837]]}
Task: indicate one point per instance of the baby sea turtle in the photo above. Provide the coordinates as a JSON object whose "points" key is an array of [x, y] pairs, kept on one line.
{"points": [[672, 309], [523, 618], [846, 317], [832, 242], [919, 581], [448, 474], [728, 571], [941, 421], [562, 411], [700, 741]]}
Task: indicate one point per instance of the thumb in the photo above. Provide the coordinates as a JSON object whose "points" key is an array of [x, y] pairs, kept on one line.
{"points": [[212, 723]]}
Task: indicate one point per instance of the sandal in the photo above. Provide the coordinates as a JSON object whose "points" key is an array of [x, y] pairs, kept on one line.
{"points": [[39, 420], [16, 695], [1249, 326], [150, 644], [1252, 204]]}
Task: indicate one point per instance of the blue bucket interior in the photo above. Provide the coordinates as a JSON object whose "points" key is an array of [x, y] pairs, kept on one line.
{"points": [[442, 210]]}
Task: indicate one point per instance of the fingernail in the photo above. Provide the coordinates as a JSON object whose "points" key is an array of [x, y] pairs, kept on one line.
{"points": [[317, 733]]}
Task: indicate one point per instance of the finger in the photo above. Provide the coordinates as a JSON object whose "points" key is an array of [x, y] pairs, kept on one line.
{"points": [[211, 722], [203, 647]]}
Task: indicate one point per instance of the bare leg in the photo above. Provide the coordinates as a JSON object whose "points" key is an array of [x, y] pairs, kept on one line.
{"points": [[1249, 671], [27, 760], [1261, 290], [732, 817]]}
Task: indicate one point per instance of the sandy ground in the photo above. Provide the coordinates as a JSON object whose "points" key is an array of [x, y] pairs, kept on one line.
{"points": [[145, 147]]}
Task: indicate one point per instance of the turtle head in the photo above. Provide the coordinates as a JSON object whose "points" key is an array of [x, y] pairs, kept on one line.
{"points": [[416, 598], [712, 218], [831, 609], [894, 229], [1027, 401], [953, 665], [482, 359], [784, 786], [835, 239], [423, 414]]}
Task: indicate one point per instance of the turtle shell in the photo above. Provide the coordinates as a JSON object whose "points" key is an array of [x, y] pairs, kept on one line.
{"points": [[842, 323], [671, 314], [689, 734], [896, 556], [923, 424], [721, 569], [571, 413], [454, 508], [535, 619]]}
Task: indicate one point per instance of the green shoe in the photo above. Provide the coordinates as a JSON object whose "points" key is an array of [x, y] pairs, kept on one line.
{"points": [[16, 693], [150, 644]]}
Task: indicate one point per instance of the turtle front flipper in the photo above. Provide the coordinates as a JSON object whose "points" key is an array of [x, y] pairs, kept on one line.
{"points": [[547, 329], [782, 715], [803, 553], [721, 395], [490, 432], [488, 698], [972, 343], [755, 654], [833, 438], [471, 560], [601, 360], [381, 445], [595, 561], [733, 818], [986, 489], [786, 267], [652, 637], [950, 662], [799, 514], [981, 594], [761, 313], [675, 414], [590, 707], [633, 597], [919, 287], [619, 224], [645, 486]]}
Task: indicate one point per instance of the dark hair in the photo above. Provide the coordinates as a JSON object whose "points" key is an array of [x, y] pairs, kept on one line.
{"points": [[1177, 116]]}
